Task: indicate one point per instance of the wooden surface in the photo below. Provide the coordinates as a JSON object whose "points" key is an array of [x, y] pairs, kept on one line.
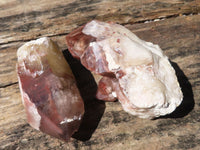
{"points": [[172, 24]]}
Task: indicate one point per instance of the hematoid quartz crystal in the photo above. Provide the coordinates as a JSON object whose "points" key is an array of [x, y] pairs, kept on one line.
{"points": [[135, 72], [48, 88]]}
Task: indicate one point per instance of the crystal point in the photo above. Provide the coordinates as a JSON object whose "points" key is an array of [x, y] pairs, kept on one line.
{"points": [[48, 88]]}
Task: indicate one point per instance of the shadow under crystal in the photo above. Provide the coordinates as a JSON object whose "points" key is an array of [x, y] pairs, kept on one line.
{"points": [[188, 98], [94, 108]]}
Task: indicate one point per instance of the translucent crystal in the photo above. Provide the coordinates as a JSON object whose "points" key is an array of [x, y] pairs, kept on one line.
{"points": [[48, 88]]}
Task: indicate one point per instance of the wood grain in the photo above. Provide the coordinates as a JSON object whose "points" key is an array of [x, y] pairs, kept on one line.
{"points": [[178, 35], [25, 20]]}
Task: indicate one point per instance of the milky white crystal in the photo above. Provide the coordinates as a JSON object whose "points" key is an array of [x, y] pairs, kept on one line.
{"points": [[145, 82]]}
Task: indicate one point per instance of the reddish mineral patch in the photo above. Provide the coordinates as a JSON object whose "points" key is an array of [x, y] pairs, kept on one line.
{"points": [[128, 68], [48, 88]]}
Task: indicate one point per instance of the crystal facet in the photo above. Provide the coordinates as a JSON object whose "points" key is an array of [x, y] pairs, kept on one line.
{"points": [[132, 70], [48, 88]]}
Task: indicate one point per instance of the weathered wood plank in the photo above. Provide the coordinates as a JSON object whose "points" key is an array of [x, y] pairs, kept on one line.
{"points": [[26, 20], [180, 40], [8, 61], [177, 37]]}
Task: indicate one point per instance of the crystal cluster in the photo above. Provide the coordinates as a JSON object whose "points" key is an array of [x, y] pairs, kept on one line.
{"points": [[48, 88], [135, 72]]}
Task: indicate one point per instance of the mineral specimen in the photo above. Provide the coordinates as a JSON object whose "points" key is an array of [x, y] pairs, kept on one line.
{"points": [[128, 68], [48, 88]]}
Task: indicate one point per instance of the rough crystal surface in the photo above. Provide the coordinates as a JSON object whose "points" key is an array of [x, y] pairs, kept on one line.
{"points": [[132, 70], [48, 88]]}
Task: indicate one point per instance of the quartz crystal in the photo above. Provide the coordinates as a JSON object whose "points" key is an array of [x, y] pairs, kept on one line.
{"points": [[49, 93], [135, 72]]}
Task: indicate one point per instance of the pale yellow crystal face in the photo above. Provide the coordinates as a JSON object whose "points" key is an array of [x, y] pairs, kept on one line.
{"points": [[43, 53]]}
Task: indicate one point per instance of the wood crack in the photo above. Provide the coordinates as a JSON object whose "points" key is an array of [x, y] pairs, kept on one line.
{"points": [[128, 23], [160, 18], [15, 41], [7, 85]]}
